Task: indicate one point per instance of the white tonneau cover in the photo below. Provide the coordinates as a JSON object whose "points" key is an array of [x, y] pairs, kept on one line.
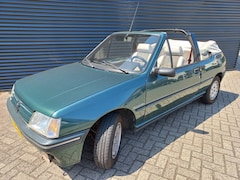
{"points": [[205, 47], [208, 46]]}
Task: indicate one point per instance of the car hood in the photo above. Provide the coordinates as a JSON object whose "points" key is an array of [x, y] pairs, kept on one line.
{"points": [[57, 88]]}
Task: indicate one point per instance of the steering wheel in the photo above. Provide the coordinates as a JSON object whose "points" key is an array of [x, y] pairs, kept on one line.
{"points": [[142, 63]]}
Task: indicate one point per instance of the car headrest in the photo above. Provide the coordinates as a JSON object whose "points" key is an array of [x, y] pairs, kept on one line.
{"points": [[145, 48], [176, 50]]}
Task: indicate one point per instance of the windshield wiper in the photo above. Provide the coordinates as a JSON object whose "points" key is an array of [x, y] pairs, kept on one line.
{"points": [[89, 62], [114, 66]]}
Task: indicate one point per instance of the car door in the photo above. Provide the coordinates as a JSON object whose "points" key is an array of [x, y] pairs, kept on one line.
{"points": [[164, 94]]}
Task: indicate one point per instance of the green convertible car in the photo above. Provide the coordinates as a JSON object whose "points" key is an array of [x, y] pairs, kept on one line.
{"points": [[129, 80]]}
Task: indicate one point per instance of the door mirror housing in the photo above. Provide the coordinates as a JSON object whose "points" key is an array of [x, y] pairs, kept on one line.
{"points": [[164, 71]]}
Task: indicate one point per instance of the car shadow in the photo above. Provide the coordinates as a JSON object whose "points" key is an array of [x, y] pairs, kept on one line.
{"points": [[139, 147]]}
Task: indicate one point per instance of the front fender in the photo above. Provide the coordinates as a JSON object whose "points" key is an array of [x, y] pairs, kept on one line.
{"points": [[84, 113]]}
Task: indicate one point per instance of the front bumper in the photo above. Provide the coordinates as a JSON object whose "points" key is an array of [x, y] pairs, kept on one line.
{"points": [[65, 151]]}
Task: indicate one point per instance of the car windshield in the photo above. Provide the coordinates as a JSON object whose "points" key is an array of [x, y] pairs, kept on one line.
{"points": [[125, 53]]}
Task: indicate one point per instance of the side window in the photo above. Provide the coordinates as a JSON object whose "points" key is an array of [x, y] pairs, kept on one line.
{"points": [[164, 58]]}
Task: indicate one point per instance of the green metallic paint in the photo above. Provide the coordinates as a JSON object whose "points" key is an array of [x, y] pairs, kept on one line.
{"points": [[66, 151], [163, 93], [69, 155], [73, 93], [85, 112], [49, 91], [81, 95]]}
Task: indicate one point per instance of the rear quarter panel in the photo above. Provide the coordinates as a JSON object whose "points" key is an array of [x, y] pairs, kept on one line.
{"points": [[211, 67]]}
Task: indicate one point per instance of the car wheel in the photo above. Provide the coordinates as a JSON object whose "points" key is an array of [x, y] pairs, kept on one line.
{"points": [[107, 141], [212, 92]]}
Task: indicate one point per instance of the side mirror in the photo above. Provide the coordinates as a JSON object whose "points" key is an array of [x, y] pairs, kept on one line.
{"points": [[164, 71]]}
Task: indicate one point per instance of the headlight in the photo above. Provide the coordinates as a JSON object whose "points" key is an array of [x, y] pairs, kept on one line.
{"points": [[45, 125]]}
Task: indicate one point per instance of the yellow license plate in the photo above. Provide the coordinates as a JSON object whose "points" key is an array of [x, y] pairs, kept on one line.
{"points": [[17, 129]]}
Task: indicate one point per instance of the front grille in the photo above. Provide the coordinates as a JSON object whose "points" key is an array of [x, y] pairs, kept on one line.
{"points": [[21, 108]]}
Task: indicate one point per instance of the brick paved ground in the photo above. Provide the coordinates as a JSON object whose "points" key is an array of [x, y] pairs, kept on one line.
{"points": [[196, 142]]}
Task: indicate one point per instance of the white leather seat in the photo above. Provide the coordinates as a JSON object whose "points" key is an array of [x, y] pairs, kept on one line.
{"points": [[164, 58], [144, 50], [181, 61], [177, 56]]}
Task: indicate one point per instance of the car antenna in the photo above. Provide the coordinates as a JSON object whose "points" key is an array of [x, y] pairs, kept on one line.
{"points": [[130, 29]]}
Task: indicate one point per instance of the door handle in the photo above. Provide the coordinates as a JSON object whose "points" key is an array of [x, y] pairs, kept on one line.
{"points": [[196, 70]]}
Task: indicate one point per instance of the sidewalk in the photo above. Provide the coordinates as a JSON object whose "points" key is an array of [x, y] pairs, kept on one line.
{"points": [[196, 142]]}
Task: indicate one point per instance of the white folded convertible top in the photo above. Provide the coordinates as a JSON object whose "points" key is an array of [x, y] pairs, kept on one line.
{"points": [[208, 47]]}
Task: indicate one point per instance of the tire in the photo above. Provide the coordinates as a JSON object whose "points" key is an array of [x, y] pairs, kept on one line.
{"points": [[107, 141], [212, 92]]}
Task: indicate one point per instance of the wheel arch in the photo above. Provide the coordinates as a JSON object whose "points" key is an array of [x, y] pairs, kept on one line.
{"points": [[127, 116], [220, 75]]}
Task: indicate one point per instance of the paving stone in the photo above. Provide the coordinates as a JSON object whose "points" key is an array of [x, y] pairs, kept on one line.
{"points": [[89, 173], [10, 174], [170, 171], [207, 149], [195, 165], [45, 175], [218, 175], [188, 173], [39, 170], [28, 157], [135, 167], [156, 177], [180, 177], [186, 154], [9, 166], [178, 162], [207, 174], [108, 173], [143, 175], [214, 167], [152, 169], [218, 158], [231, 169], [21, 176]]}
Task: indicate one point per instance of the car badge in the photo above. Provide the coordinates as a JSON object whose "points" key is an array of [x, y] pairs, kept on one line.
{"points": [[19, 103]]}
